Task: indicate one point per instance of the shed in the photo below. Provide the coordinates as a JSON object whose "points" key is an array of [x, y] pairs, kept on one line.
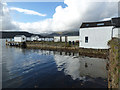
{"points": [[20, 38], [34, 38]]}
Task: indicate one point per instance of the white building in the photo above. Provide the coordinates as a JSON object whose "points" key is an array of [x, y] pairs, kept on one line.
{"points": [[56, 38], [73, 38], [46, 39], [97, 34], [49, 39], [40, 39], [19, 38], [28, 38], [69, 38], [34, 38]]}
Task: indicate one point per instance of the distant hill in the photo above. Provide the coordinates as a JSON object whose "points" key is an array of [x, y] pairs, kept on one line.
{"points": [[11, 34], [66, 33], [8, 34]]}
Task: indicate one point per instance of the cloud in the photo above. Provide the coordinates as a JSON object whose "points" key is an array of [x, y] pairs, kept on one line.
{"points": [[25, 11], [6, 23], [36, 27], [76, 12], [71, 17]]}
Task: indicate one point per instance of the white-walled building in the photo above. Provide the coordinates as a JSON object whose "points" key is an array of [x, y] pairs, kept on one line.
{"points": [[20, 38], [50, 39], [28, 38], [56, 38], [73, 38], [97, 34], [46, 39], [69, 38], [34, 38]]}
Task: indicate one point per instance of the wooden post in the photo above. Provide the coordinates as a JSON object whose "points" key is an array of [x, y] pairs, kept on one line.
{"points": [[60, 38], [66, 40]]}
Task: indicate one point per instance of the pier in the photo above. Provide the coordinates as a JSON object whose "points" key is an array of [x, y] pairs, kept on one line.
{"points": [[16, 44]]}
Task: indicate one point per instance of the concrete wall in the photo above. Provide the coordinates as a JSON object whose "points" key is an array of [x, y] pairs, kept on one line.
{"points": [[98, 37]]}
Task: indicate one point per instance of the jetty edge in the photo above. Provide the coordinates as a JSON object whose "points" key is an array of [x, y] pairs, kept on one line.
{"points": [[62, 47]]}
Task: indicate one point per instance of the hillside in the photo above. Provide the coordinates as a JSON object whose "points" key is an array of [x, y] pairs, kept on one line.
{"points": [[11, 34], [8, 34], [66, 33]]}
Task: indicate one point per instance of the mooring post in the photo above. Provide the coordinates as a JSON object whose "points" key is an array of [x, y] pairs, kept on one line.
{"points": [[66, 40], [60, 38]]}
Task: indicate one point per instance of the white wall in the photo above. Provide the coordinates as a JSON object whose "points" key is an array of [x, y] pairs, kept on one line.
{"points": [[116, 32], [17, 39], [98, 37], [69, 38], [51, 39], [56, 38], [20, 39], [73, 38], [28, 39], [34, 38], [63, 38], [119, 32], [46, 39]]}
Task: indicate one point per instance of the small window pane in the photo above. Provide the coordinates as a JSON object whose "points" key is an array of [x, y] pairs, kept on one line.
{"points": [[99, 24], [86, 39], [87, 24]]}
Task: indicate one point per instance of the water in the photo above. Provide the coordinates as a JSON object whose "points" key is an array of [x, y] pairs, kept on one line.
{"points": [[33, 68]]}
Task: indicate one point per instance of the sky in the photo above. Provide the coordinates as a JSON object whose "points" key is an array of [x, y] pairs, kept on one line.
{"points": [[47, 8], [48, 17]]}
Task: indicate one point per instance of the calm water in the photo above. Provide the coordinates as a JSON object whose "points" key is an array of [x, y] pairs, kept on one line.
{"points": [[33, 68]]}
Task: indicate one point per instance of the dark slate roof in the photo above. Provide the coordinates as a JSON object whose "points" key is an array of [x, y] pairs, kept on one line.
{"points": [[116, 22], [113, 22], [34, 35], [19, 35]]}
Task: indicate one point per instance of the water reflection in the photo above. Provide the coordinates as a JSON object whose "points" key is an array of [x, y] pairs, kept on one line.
{"points": [[68, 65], [76, 67], [33, 68]]}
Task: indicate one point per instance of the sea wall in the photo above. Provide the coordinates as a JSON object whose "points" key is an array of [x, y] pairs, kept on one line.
{"points": [[98, 53], [114, 64]]}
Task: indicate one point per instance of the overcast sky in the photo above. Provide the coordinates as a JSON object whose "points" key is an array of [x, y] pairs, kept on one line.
{"points": [[47, 17]]}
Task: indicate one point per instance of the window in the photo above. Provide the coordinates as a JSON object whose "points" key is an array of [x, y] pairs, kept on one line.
{"points": [[87, 25], [86, 39], [99, 24]]}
